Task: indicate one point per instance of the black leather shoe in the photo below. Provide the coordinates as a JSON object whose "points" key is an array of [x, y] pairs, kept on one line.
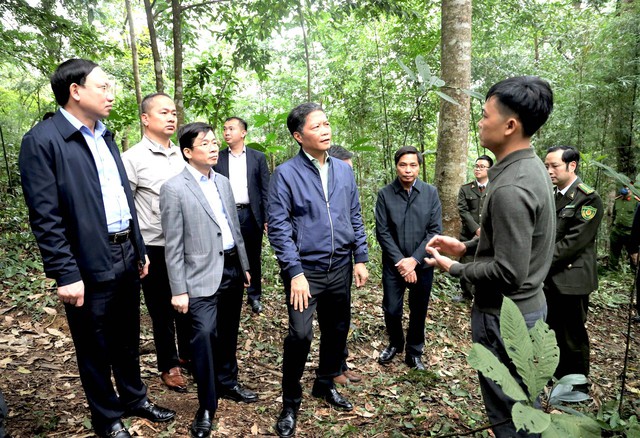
{"points": [[256, 306], [152, 412], [286, 425], [201, 426], [388, 354], [333, 397], [239, 394], [116, 430], [414, 362]]}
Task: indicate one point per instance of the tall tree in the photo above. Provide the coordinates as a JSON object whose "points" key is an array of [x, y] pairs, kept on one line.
{"points": [[153, 41], [453, 126], [134, 60]]}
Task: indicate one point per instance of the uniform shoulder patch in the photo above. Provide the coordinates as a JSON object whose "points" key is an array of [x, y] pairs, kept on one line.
{"points": [[586, 189], [588, 212]]}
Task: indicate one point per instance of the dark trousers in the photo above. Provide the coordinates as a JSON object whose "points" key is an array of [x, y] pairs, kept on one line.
{"points": [[567, 317], [393, 286], [618, 240], [485, 330], [252, 235], [466, 286], [106, 335], [228, 324], [329, 297], [165, 320], [205, 343]]}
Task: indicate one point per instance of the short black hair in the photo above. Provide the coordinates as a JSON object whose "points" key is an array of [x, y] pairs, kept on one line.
{"points": [[298, 116], [486, 158], [189, 132], [243, 122], [146, 101], [569, 154], [72, 71], [528, 97], [339, 152], [48, 115], [404, 150]]}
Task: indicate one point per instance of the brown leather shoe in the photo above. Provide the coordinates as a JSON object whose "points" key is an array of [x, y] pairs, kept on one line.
{"points": [[353, 377], [340, 380], [174, 380]]}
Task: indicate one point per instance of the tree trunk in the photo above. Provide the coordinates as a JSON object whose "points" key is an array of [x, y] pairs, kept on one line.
{"points": [[177, 59], [134, 59], [453, 126], [153, 39], [306, 52]]}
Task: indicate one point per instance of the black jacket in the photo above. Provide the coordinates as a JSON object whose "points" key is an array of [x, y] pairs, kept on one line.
{"points": [[62, 190]]}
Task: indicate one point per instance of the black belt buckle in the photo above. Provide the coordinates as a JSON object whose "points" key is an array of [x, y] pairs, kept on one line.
{"points": [[231, 252], [241, 206], [120, 236]]}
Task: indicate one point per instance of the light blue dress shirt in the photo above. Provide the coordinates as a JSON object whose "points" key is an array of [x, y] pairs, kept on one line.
{"points": [[116, 207]]}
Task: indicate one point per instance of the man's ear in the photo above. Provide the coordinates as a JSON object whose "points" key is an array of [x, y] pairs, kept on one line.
{"points": [[73, 92], [187, 153], [145, 119], [572, 166], [297, 136], [512, 124]]}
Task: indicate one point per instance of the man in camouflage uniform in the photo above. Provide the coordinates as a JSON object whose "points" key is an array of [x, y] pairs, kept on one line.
{"points": [[621, 222], [573, 274]]}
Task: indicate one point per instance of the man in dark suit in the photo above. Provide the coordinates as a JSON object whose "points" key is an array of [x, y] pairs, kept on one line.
{"points": [[83, 217], [207, 266], [248, 173], [470, 201], [573, 274], [408, 215]]}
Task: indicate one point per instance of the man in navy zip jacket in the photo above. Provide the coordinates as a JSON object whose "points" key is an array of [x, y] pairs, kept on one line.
{"points": [[316, 230]]}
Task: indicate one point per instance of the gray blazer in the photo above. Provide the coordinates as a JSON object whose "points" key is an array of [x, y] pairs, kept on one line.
{"points": [[193, 248]]}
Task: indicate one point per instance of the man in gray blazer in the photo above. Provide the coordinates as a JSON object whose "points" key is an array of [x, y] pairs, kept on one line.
{"points": [[208, 267]]}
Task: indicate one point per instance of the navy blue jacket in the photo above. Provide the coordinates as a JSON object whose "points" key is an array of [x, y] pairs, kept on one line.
{"points": [[305, 231], [405, 224], [62, 190]]}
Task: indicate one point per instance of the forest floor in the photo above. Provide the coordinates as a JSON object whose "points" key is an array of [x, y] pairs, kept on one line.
{"points": [[39, 375]]}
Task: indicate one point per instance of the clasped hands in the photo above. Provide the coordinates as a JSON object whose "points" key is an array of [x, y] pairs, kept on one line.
{"points": [[439, 245]]}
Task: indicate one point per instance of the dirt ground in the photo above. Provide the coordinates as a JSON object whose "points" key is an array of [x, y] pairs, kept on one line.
{"points": [[40, 378]]}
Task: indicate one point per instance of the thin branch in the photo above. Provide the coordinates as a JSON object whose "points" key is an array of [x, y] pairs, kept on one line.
{"points": [[210, 2]]}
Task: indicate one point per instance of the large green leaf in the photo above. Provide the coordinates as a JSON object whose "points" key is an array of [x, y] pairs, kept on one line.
{"points": [[408, 71], [518, 344], [447, 98], [483, 360], [563, 426], [529, 418], [546, 355]]}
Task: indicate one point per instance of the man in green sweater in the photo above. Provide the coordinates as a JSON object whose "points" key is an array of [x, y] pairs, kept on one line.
{"points": [[515, 247]]}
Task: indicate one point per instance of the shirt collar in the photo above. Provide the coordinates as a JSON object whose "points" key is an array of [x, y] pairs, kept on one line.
{"points": [[566, 189], [315, 161], [155, 146], [99, 128], [199, 176], [244, 151]]}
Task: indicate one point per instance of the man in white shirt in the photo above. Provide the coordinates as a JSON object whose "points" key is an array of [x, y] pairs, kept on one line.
{"points": [[149, 164]]}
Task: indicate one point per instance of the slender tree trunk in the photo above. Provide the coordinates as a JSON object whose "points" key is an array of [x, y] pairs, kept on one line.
{"points": [[134, 59], [153, 40], [306, 52], [453, 126], [386, 140], [178, 96]]}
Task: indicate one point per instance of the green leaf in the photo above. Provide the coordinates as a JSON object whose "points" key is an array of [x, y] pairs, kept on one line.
{"points": [[518, 344], [364, 148], [424, 71], [483, 360], [573, 379], [256, 146], [408, 71], [446, 97], [260, 120], [563, 426], [361, 141], [528, 418], [472, 93], [546, 355]]}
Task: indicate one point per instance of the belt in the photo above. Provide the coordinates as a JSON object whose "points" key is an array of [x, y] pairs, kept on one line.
{"points": [[120, 236], [231, 252], [241, 206]]}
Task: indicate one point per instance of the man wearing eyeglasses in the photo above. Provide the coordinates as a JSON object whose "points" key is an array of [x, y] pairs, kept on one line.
{"points": [[84, 219], [470, 201], [207, 265]]}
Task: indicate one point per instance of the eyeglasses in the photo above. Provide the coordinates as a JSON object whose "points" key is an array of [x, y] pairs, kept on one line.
{"points": [[207, 144], [107, 88], [480, 166]]}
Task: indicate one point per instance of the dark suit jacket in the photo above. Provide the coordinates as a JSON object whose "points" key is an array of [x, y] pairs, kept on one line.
{"points": [[470, 202], [573, 269], [62, 190], [404, 224], [257, 180]]}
